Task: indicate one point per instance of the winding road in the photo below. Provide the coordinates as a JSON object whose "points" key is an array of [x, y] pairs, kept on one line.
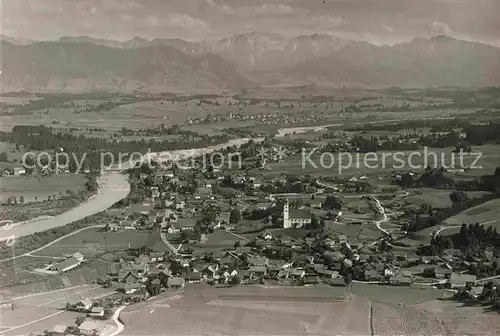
{"points": [[458, 226]]}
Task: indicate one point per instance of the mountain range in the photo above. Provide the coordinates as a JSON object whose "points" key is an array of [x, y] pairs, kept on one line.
{"points": [[243, 60]]}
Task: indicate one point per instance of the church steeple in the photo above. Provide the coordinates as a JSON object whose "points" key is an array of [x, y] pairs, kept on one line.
{"points": [[286, 214]]}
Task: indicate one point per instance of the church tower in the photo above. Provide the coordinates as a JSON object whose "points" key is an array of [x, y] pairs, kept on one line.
{"points": [[286, 215]]}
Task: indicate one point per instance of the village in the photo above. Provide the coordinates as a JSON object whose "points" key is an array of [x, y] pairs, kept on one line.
{"points": [[231, 228]]}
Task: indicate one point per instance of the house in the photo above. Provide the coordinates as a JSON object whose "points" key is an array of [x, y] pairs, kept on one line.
{"points": [[257, 271], [97, 313], [295, 218], [316, 204], [58, 330], [328, 274], [242, 250], [202, 192], [112, 227], [175, 283], [83, 305], [128, 276], [18, 171], [312, 280], [170, 216], [11, 200], [128, 288], [157, 256], [461, 280], [283, 274], [90, 328], [334, 259], [400, 280], [139, 295], [193, 277], [338, 281], [298, 273], [371, 275], [78, 256], [209, 271], [311, 190], [347, 263], [266, 235], [342, 239], [258, 261], [66, 265], [439, 272]]}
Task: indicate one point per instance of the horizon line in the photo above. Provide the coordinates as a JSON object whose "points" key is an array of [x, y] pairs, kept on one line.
{"points": [[28, 41]]}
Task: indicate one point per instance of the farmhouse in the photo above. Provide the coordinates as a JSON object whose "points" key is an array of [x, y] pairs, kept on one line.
{"points": [[97, 312], [5, 303], [58, 330], [129, 276], [257, 271], [316, 204], [175, 283], [258, 261], [400, 280], [89, 327], [18, 171], [461, 280], [69, 263], [83, 305], [193, 277]]}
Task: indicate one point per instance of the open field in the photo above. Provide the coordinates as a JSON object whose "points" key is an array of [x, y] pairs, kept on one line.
{"points": [[434, 197], [395, 295], [250, 311], [463, 320], [350, 230], [217, 241], [354, 164], [17, 100], [92, 241], [41, 187], [58, 299], [479, 214], [396, 320], [483, 213], [14, 156], [22, 270]]}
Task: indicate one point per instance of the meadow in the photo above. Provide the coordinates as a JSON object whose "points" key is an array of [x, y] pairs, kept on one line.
{"points": [[94, 241], [435, 197], [358, 164], [482, 213]]}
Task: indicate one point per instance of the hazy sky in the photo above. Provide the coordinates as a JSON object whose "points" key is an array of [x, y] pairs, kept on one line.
{"points": [[375, 21]]}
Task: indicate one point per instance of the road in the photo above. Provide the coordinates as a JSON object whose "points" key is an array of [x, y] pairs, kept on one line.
{"points": [[302, 129], [116, 320], [384, 217], [458, 226], [168, 244]]}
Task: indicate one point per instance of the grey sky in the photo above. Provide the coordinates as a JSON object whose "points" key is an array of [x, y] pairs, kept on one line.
{"points": [[375, 21]]}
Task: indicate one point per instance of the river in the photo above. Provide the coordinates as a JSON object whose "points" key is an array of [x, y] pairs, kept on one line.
{"points": [[113, 187]]}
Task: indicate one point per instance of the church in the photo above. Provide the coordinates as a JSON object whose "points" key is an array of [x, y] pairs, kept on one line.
{"points": [[295, 218]]}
